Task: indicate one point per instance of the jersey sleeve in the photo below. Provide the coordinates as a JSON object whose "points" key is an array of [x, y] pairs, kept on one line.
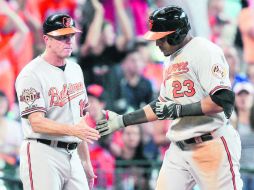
{"points": [[30, 95], [213, 71]]}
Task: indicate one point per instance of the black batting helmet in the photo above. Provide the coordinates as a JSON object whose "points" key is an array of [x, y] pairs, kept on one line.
{"points": [[169, 21], [59, 24]]}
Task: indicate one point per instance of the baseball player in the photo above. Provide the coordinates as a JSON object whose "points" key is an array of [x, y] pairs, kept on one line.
{"points": [[196, 94], [52, 99]]}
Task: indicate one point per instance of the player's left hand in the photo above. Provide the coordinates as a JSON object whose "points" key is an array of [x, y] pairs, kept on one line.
{"points": [[168, 110], [89, 174], [111, 123]]}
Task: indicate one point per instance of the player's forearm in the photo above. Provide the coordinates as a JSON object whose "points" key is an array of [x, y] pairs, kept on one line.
{"points": [[204, 107], [40, 124], [209, 107], [139, 116]]}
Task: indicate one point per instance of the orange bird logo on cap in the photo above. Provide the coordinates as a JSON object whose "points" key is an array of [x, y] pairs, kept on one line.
{"points": [[67, 22], [150, 24]]}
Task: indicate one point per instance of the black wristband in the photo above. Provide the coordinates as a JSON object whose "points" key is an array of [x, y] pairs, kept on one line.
{"points": [[193, 109], [135, 117]]}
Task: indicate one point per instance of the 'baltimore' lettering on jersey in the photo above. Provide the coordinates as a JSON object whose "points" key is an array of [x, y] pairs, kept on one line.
{"points": [[176, 69], [69, 92]]}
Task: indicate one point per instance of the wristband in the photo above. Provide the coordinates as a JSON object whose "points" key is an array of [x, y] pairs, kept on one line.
{"points": [[193, 109]]}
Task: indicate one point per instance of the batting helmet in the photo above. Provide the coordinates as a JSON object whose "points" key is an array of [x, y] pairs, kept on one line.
{"points": [[59, 24], [170, 21]]}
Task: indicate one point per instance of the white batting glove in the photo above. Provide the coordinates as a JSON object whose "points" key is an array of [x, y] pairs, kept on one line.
{"points": [[168, 110], [112, 123]]}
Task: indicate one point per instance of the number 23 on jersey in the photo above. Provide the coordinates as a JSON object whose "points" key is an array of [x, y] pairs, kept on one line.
{"points": [[181, 89]]}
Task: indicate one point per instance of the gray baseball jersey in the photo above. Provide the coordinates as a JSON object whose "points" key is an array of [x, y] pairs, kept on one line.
{"points": [[60, 95], [189, 76]]}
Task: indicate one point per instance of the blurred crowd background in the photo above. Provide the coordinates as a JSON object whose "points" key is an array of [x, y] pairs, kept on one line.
{"points": [[123, 72]]}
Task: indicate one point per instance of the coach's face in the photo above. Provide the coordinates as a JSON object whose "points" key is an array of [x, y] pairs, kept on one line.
{"points": [[61, 46], [165, 47]]}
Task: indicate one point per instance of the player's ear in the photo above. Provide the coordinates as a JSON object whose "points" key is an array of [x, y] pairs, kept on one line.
{"points": [[46, 38]]}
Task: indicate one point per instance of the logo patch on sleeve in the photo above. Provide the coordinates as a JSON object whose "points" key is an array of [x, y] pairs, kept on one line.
{"points": [[29, 96], [218, 71]]}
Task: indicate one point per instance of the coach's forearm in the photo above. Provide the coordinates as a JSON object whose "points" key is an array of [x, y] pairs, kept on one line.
{"points": [[84, 152], [40, 124], [139, 116]]}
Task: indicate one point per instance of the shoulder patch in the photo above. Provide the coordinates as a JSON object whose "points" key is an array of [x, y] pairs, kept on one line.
{"points": [[219, 71], [29, 96]]}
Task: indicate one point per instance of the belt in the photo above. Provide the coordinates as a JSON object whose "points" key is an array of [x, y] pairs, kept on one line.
{"points": [[59, 144], [200, 139], [195, 140]]}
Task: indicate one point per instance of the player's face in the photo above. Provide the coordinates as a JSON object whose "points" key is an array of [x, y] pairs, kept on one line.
{"points": [[62, 45], [165, 47]]}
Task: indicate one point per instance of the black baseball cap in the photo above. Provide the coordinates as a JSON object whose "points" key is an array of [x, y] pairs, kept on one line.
{"points": [[59, 24]]}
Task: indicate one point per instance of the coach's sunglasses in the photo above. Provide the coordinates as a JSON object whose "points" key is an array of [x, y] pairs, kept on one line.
{"points": [[63, 37]]}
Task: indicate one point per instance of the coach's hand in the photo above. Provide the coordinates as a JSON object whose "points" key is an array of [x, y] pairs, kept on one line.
{"points": [[83, 131], [111, 123], [89, 174], [168, 110]]}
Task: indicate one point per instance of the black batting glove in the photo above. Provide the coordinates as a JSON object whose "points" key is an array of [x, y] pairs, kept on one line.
{"points": [[168, 110]]}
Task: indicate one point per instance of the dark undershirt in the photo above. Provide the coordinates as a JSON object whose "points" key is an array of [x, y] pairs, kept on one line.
{"points": [[61, 67]]}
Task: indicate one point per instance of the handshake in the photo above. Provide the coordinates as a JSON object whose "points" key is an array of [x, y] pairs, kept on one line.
{"points": [[112, 121]]}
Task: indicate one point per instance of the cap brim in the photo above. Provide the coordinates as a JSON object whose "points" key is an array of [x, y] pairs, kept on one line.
{"points": [[156, 35], [64, 31]]}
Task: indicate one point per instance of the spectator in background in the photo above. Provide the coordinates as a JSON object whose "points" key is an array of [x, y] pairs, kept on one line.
{"points": [[10, 44], [160, 137], [246, 26], [244, 99], [137, 11], [10, 141], [233, 61], [245, 111], [238, 43], [217, 19], [152, 69], [102, 160], [47, 8], [135, 90], [250, 73], [29, 13], [101, 48], [132, 166], [151, 150]]}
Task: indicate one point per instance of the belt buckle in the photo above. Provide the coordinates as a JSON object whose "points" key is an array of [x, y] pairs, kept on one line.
{"points": [[67, 147], [198, 140]]}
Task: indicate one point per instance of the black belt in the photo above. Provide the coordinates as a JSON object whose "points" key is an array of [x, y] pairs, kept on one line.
{"points": [[202, 138], [59, 144], [195, 140]]}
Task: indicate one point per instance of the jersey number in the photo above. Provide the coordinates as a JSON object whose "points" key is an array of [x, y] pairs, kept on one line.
{"points": [[177, 88]]}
